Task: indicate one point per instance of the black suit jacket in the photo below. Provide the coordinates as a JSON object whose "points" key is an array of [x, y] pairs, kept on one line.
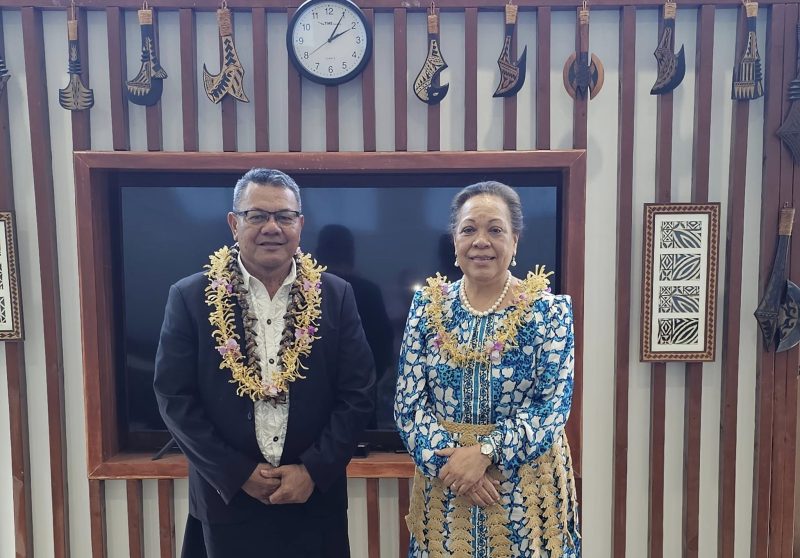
{"points": [[214, 427]]}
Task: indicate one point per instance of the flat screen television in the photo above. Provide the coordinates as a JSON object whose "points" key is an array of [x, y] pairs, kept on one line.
{"points": [[383, 233]]}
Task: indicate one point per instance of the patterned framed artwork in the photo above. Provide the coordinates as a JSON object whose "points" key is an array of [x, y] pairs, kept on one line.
{"points": [[10, 298], [679, 291]]}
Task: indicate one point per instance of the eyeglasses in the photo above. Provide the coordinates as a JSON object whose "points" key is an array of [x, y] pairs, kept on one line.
{"points": [[258, 217]]}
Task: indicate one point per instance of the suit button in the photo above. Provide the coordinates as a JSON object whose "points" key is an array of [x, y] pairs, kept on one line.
{"points": [[269, 322], [249, 415], [275, 439], [272, 361]]}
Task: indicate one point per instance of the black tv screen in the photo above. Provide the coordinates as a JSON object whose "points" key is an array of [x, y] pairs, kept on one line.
{"points": [[384, 234]]}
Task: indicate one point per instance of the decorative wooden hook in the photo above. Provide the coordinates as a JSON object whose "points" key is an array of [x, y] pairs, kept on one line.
{"points": [[582, 74], [789, 132], [230, 79], [145, 89], [512, 74], [426, 85], [75, 96], [671, 66], [748, 82]]}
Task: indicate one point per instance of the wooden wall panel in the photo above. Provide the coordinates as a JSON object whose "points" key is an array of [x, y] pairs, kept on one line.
{"points": [[471, 79], [39, 118], [581, 104], [373, 519], [400, 85], [155, 134], [332, 118], [97, 519], [510, 106], [773, 87], [188, 42], [694, 371], [543, 20], [732, 316], [228, 106], [622, 332], [776, 433], [294, 83], [15, 371], [135, 519], [117, 74], [81, 123], [658, 371], [785, 363], [368, 94], [260, 77], [166, 518]]}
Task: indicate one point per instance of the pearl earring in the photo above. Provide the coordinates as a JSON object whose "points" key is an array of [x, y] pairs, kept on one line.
{"points": [[455, 263], [514, 260]]}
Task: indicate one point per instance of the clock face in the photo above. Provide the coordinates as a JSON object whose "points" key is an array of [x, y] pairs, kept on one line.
{"points": [[329, 41]]}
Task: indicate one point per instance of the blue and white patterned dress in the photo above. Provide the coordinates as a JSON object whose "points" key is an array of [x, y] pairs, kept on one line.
{"points": [[526, 397]]}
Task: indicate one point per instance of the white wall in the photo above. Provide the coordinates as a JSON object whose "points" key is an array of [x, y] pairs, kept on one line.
{"points": [[600, 228]]}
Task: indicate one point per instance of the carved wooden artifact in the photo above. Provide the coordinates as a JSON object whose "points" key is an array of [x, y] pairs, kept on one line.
{"points": [[789, 132], [581, 74], [426, 86], [748, 80], [230, 79], [671, 66], [75, 96], [777, 312], [145, 89], [512, 74]]}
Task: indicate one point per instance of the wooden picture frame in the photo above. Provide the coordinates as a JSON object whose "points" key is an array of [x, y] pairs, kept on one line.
{"points": [[679, 287], [10, 297]]}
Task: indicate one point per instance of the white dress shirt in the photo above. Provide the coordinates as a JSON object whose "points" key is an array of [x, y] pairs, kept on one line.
{"points": [[270, 420]]}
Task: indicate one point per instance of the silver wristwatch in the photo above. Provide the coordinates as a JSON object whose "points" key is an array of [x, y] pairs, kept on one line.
{"points": [[487, 447]]}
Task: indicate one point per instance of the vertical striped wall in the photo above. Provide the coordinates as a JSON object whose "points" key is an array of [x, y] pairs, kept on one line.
{"points": [[668, 451]]}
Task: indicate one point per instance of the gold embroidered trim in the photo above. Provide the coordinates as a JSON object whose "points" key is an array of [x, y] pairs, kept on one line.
{"points": [[462, 354], [548, 488], [549, 496]]}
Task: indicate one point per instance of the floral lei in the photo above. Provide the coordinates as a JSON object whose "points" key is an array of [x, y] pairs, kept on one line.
{"points": [[463, 354], [301, 322]]}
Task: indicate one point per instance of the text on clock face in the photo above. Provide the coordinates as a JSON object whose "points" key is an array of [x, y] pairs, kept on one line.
{"points": [[329, 40]]}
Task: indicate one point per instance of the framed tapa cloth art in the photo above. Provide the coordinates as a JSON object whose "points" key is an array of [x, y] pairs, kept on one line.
{"points": [[679, 291], [10, 299]]}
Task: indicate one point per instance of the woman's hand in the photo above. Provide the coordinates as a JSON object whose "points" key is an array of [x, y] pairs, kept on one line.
{"points": [[464, 468], [485, 492]]}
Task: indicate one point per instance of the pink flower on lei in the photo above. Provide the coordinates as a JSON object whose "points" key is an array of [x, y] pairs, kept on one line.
{"points": [[230, 346]]}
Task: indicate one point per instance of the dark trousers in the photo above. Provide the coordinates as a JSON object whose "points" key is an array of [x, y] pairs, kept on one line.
{"points": [[290, 533]]}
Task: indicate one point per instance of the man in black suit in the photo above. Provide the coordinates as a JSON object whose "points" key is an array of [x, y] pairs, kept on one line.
{"points": [[265, 400]]}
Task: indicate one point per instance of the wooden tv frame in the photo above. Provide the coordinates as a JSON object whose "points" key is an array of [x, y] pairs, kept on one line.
{"points": [[94, 176]]}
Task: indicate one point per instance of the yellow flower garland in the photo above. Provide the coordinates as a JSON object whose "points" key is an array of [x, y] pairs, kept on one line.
{"points": [[221, 293], [437, 290]]}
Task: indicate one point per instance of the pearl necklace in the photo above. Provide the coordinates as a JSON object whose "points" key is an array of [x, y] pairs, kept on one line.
{"points": [[463, 294]]}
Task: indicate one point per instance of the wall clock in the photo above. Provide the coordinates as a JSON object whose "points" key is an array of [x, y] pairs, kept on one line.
{"points": [[329, 41]]}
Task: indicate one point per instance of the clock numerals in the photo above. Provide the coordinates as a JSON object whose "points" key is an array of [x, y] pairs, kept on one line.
{"points": [[329, 41]]}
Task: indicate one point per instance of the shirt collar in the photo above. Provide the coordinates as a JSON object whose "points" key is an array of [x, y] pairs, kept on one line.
{"points": [[247, 277]]}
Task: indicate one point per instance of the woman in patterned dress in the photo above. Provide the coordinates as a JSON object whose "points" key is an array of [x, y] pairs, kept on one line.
{"points": [[483, 395]]}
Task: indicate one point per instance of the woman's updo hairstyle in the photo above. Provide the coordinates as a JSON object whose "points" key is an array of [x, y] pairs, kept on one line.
{"points": [[492, 188]]}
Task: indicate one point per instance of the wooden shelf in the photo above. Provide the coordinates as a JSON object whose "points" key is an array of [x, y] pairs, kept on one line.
{"points": [[174, 466]]}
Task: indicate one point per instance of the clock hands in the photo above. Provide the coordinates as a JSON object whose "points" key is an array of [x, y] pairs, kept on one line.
{"points": [[336, 28], [334, 35]]}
